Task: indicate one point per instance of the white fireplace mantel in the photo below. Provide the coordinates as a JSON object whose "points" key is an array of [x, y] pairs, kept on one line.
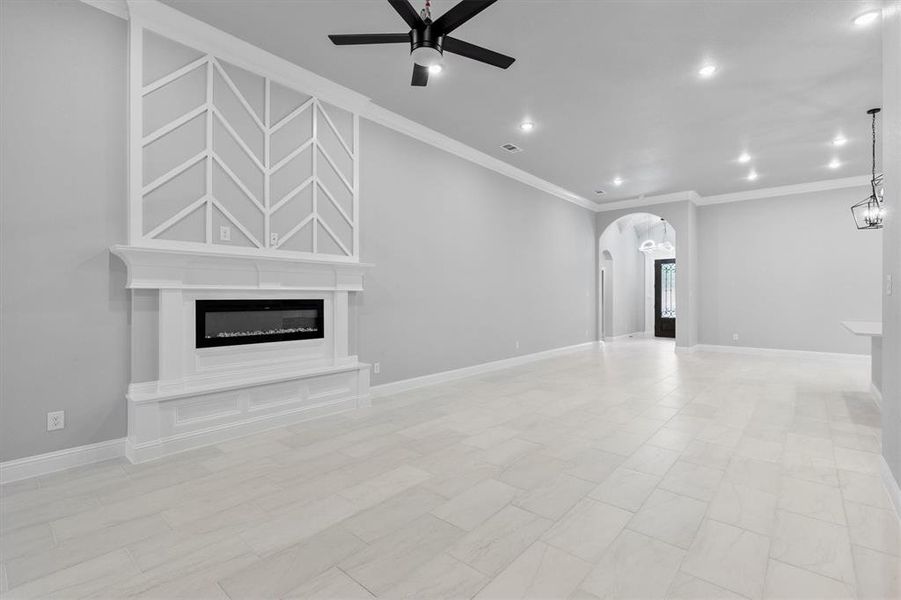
{"points": [[205, 395], [166, 268]]}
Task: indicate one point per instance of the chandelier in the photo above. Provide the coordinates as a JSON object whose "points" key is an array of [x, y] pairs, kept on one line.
{"points": [[650, 245], [869, 213]]}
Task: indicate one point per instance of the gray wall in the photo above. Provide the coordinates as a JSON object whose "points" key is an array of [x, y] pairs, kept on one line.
{"points": [[64, 318], [784, 272], [891, 249], [467, 262]]}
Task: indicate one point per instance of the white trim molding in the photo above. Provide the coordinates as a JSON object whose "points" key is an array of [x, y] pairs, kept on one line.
{"points": [[755, 194], [51, 462], [387, 389], [891, 485], [689, 195], [775, 352], [787, 190]]}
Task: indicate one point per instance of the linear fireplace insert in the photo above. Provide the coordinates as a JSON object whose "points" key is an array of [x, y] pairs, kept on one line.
{"points": [[238, 322]]}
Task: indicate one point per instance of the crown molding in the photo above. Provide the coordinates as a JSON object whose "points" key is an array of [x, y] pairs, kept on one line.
{"points": [[688, 195], [756, 194], [117, 8], [787, 190], [196, 33], [392, 120]]}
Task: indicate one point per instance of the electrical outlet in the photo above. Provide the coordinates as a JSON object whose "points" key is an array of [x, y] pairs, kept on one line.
{"points": [[734, 337], [376, 367], [225, 233], [273, 239], [56, 420], [888, 284], [517, 344]]}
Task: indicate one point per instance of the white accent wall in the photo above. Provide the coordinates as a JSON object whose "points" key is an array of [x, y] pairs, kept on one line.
{"points": [[784, 272]]}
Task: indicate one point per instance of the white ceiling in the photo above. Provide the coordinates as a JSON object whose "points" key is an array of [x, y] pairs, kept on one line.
{"points": [[612, 85]]}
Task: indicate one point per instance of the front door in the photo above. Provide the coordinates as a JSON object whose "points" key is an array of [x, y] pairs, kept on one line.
{"points": [[665, 297]]}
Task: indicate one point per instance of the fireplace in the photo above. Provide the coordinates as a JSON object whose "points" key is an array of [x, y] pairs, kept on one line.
{"points": [[239, 322]]}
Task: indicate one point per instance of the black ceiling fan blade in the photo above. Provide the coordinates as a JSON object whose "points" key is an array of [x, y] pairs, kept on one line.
{"points": [[420, 75], [352, 39], [459, 14], [477, 53], [407, 13]]}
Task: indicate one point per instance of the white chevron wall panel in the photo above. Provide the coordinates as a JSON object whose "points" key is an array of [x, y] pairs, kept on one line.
{"points": [[229, 158]]}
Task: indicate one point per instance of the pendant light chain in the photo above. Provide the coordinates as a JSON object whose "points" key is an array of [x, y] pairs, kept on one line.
{"points": [[873, 177]]}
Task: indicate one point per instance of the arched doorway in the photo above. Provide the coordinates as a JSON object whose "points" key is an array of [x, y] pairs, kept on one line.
{"points": [[636, 279]]}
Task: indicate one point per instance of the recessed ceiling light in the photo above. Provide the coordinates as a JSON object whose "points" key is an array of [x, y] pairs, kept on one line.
{"points": [[752, 176], [617, 181], [435, 69], [707, 70], [744, 157], [527, 126], [835, 163], [866, 18], [839, 140]]}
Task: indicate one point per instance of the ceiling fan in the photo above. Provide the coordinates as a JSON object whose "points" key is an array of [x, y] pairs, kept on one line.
{"points": [[429, 39]]}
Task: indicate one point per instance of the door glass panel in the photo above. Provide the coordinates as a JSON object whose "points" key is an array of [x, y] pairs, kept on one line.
{"points": [[668, 290]]}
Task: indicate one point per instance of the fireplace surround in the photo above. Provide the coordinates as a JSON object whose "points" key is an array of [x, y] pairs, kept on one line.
{"points": [[203, 393]]}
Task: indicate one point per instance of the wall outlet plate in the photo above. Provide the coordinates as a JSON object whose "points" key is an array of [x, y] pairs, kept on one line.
{"points": [[56, 420], [225, 233], [376, 367], [734, 337]]}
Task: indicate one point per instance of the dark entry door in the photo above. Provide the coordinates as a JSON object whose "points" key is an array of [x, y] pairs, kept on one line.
{"points": [[665, 297]]}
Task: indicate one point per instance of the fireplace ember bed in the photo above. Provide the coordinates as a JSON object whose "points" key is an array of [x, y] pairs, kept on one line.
{"points": [[239, 322]]}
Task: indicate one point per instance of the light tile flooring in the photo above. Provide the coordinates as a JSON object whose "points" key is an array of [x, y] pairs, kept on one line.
{"points": [[630, 472]]}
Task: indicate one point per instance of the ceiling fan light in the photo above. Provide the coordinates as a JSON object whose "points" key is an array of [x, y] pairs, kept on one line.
{"points": [[426, 56], [435, 69]]}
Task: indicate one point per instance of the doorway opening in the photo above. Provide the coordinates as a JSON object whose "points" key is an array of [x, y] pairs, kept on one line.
{"points": [[628, 283]]}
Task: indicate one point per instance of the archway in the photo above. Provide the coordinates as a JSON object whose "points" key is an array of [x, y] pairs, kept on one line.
{"points": [[628, 251]]}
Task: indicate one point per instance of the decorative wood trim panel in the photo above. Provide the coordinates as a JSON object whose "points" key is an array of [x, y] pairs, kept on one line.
{"points": [[332, 224]]}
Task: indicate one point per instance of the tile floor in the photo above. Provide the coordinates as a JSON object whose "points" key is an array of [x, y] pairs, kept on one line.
{"points": [[629, 472]]}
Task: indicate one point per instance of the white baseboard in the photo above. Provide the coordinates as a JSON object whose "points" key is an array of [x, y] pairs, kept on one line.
{"points": [[386, 389], [776, 352], [634, 334], [51, 462], [877, 395], [891, 485]]}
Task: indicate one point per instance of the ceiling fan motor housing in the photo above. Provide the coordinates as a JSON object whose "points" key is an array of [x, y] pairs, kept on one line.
{"points": [[426, 46]]}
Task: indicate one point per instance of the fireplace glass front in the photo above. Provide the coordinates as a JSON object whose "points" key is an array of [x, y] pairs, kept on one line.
{"points": [[238, 322]]}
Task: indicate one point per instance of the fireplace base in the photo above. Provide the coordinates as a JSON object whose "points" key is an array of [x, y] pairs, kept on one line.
{"points": [[165, 418]]}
